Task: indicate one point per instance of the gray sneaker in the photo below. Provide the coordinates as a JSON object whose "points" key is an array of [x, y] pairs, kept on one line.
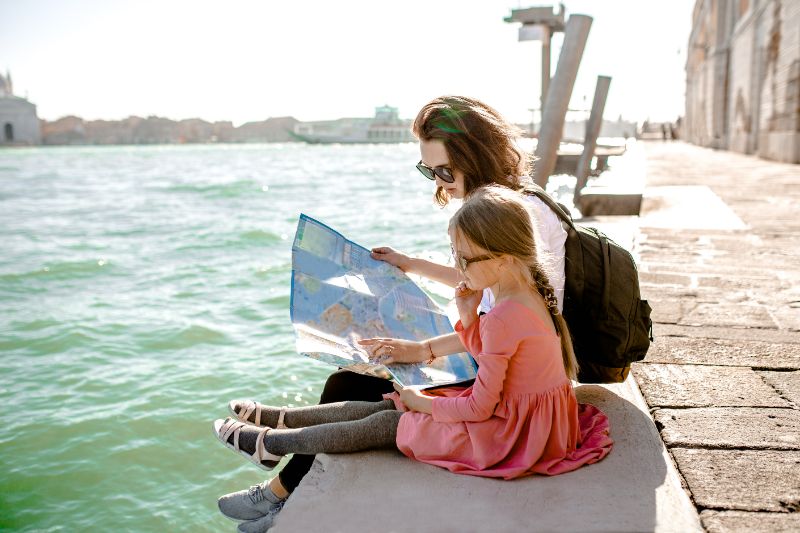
{"points": [[250, 504], [262, 524]]}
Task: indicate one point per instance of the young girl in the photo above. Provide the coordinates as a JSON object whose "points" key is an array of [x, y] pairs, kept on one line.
{"points": [[464, 144], [522, 391]]}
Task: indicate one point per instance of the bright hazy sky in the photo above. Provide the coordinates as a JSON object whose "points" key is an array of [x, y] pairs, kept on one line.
{"points": [[246, 60]]}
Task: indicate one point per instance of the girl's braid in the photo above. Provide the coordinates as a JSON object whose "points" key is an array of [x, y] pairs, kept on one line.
{"points": [[544, 288]]}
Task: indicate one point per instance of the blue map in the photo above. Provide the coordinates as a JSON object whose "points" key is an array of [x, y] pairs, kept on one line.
{"points": [[341, 295]]}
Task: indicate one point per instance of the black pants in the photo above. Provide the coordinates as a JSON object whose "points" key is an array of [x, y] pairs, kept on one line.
{"points": [[341, 386]]}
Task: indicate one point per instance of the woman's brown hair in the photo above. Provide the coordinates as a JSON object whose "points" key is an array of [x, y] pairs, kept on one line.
{"points": [[496, 219], [479, 142]]}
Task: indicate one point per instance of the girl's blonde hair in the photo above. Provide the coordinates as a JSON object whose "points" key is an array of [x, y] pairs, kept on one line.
{"points": [[496, 219], [479, 142]]}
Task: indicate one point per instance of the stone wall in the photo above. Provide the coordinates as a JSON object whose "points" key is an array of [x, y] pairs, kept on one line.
{"points": [[743, 77]]}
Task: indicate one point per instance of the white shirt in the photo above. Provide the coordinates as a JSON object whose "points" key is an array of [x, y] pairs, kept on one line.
{"points": [[551, 239]]}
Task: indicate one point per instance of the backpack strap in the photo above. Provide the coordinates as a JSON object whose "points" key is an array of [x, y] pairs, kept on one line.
{"points": [[606, 273], [558, 209]]}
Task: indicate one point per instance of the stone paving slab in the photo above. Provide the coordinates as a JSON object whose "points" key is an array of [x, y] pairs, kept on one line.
{"points": [[740, 310], [669, 311], [701, 265], [705, 294], [745, 522], [730, 427], [717, 332], [738, 282], [713, 244], [659, 278], [701, 306], [730, 315], [786, 383], [667, 385], [723, 352], [687, 207], [788, 318], [746, 480]]}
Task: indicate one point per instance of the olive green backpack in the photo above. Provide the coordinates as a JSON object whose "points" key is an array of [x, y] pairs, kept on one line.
{"points": [[609, 322]]}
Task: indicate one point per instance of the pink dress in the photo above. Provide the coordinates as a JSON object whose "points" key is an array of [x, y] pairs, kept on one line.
{"points": [[520, 417]]}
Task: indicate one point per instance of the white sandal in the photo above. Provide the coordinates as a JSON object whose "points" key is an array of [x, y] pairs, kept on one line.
{"points": [[248, 407], [223, 429]]}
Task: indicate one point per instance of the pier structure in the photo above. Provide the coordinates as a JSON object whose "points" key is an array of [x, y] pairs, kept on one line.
{"points": [[554, 113], [592, 133], [705, 428], [539, 24]]}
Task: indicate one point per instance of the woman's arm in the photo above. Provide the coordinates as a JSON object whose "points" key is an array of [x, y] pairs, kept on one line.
{"points": [[422, 267], [403, 351]]}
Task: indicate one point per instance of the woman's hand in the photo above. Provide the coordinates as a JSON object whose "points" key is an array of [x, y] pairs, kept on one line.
{"points": [[392, 256], [388, 351], [467, 302], [414, 399]]}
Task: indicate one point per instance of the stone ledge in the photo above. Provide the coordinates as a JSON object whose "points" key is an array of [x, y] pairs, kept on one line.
{"points": [[635, 488], [597, 201]]}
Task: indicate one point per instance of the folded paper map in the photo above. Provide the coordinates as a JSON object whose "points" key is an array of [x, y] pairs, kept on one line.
{"points": [[341, 295]]}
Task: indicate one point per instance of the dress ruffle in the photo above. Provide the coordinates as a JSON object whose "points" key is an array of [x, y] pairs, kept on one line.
{"points": [[547, 433]]}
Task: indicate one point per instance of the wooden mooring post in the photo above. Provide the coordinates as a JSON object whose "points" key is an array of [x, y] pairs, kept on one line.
{"points": [[590, 137], [559, 93]]}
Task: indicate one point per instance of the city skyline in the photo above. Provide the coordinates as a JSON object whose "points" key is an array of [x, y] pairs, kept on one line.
{"points": [[256, 60]]}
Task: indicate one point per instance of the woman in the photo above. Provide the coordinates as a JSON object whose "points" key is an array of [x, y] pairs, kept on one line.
{"points": [[464, 144]]}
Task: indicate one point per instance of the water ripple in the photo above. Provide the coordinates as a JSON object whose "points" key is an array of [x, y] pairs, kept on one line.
{"points": [[113, 372]]}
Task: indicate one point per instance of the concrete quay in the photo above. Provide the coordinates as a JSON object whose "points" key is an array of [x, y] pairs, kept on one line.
{"points": [[707, 435], [722, 379]]}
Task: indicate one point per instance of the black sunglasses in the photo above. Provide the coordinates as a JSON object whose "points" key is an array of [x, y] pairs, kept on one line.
{"points": [[464, 262], [432, 173]]}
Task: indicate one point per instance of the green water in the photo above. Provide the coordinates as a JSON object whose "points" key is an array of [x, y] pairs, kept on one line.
{"points": [[141, 288]]}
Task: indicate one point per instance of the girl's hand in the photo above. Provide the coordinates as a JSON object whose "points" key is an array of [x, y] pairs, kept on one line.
{"points": [[467, 302], [392, 256], [388, 351], [414, 399]]}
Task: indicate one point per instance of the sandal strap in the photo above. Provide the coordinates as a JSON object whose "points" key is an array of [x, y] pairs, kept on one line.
{"points": [[261, 453], [233, 427], [247, 408]]}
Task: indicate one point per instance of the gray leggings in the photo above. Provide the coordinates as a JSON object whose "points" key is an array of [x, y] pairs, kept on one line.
{"points": [[334, 428]]}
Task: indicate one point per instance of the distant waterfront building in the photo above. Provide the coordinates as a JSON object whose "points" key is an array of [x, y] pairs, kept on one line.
{"points": [[384, 127], [19, 124], [743, 77]]}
